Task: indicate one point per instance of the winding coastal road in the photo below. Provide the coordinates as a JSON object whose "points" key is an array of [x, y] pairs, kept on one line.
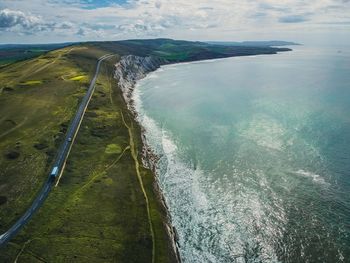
{"points": [[59, 163]]}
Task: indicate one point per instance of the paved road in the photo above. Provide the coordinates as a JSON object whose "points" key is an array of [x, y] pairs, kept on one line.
{"points": [[59, 163]]}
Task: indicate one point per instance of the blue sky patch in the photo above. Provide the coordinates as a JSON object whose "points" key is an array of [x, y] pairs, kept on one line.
{"points": [[94, 4]]}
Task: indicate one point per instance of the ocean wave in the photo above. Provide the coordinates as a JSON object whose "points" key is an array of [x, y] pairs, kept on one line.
{"points": [[218, 220], [315, 177], [264, 131]]}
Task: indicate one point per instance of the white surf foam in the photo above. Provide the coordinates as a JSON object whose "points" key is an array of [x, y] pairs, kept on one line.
{"points": [[315, 177], [218, 220], [264, 131]]}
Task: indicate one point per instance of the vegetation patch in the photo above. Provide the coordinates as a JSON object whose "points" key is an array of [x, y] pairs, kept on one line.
{"points": [[113, 148], [3, 199], [100, 131], [64, 127], [7, 89], [31, 82], [79, 78], [40, 146], [91, 114], [11, 123], [11, 155]]}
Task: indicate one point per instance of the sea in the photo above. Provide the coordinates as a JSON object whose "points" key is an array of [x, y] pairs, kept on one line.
{"points": [[254, 154]]}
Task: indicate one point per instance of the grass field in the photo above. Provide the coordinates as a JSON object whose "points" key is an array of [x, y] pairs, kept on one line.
{"points": [[97, 213]]}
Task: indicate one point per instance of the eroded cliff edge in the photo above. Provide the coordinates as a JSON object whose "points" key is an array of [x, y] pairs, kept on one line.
{"points": [[132, 68], [128, 71]]}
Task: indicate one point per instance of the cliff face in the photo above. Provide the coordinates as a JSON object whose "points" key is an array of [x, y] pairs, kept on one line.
{"points": [[133, 68], [128, 71]]}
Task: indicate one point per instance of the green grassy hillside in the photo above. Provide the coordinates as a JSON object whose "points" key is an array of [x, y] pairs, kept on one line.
{"points": [[97, 213]]}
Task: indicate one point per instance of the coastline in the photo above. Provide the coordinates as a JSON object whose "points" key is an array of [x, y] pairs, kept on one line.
{"points": [[128, 71], [167, 106]]}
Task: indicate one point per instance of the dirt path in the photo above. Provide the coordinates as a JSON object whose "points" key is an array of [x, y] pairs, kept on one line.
{"points": [[14, 128], [137, 167], [54, 61]]}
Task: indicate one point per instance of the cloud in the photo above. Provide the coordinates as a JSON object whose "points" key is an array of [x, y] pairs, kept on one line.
{"points": [[293, 19], [81, 32], [273, 7], [196, 19], [65, 25], [336, 23], [259, 15], [28, 24], [11, 18], [158, 4]]}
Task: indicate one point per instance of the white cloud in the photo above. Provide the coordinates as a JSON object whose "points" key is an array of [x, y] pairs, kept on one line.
{"points": [[207, 19], [10, 19]]}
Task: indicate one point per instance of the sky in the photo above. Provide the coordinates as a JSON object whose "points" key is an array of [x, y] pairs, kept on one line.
{"points": [[53, 21]]}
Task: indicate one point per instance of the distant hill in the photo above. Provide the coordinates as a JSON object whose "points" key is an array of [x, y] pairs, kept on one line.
{"points": [[10, 53], [182, 51], [273, 43], [168, 49]]}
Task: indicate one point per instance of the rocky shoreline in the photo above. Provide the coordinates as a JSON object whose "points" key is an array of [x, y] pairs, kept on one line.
{"points": [[128, 71]]}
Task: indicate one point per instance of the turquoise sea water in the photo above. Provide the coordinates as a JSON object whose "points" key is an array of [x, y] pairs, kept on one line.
{"points": [[255, 154]]}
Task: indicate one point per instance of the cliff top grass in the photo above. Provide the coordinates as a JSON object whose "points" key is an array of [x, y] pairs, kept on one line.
{"points": [[97, 213], [113, 149], [33, 121]]}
